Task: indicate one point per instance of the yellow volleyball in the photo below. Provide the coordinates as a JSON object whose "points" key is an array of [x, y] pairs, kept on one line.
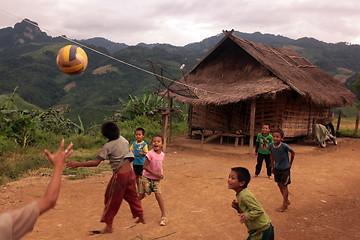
{"points": [[72, 59]]}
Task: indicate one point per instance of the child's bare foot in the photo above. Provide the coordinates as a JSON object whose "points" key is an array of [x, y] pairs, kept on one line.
{"points": [[140, 220], [163, 221], [255, 175], [288, 202], [105, 230], [269, 177], [282, 208]]}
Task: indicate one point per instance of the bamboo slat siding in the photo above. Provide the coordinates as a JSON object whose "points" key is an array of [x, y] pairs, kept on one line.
{"points": [[293, 115]]}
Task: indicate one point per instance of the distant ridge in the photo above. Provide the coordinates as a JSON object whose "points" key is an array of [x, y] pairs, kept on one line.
{"points": [[27, 60], [112, 47]]}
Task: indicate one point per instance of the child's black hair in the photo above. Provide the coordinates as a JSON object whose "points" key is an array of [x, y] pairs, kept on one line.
{"points": [[110, 130], [162, 139], [279, 131], [266, 124], [243, 174], [140, 129]]}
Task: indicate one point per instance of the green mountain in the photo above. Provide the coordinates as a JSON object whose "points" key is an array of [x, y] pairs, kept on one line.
{"points": [[109, 45], [27, 60]]}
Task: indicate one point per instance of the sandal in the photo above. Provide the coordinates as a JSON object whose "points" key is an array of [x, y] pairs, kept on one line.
{"points": [[163, 221]]}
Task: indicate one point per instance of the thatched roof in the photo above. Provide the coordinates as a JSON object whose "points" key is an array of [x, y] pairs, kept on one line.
{"points": [[237, 70]]}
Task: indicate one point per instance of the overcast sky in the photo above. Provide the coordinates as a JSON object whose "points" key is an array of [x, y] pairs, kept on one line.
{"points": [[186, 21]]}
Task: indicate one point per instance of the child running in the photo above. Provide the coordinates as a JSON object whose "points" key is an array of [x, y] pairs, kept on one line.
{"points": [[122, 182], [250, 211], [280, 157], [152, 174], [262, 151], [140, 148]]}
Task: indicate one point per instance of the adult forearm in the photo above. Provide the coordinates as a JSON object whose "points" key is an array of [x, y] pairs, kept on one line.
{"points": [[52, 191]]}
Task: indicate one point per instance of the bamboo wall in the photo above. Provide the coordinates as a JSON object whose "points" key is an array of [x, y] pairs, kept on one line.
{"points": [[287, 111], [298, 115]]}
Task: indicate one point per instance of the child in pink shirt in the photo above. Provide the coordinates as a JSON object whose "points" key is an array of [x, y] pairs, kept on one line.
{"points": [[152, 174]]}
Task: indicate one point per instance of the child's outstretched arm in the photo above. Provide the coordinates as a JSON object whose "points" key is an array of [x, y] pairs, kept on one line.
{"points": [[75, 164], [292, 156]]}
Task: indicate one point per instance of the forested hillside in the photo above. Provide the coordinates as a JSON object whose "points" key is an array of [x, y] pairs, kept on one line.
{"points": [[27, 60]]}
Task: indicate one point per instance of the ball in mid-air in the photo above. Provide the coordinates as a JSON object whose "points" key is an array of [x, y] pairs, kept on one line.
{"points": [[72, 59]]}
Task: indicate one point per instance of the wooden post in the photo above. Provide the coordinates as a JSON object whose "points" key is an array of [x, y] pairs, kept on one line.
{"points": [[357, 121], [189, 120], [165, 118], [252, 125], [338, 122], [171, 118]]}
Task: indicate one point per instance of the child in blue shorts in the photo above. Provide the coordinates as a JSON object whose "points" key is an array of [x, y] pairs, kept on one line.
{"points": [[280, 165]]}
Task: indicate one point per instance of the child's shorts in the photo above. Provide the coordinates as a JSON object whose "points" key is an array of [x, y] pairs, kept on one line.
{"points": [[148, 185], [138, 169], [282, 176], [267, 234]]}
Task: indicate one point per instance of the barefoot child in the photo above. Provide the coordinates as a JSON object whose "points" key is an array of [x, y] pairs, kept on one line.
{"points": [[262, 152], [280, 157], [140, 148], [152, 174], [250, 211], [122, 183]]}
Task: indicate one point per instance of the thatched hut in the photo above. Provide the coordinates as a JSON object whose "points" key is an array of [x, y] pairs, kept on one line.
{"points": [[239, 85]]}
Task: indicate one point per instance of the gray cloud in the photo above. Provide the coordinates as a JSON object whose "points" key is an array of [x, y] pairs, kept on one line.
{"points": [[184, 21]]}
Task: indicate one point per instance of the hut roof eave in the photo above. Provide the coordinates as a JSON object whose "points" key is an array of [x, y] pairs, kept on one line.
{"points": [[292, 71]]}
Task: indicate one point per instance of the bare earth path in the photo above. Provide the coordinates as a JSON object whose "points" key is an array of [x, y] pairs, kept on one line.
{"points": [[324, 195]]}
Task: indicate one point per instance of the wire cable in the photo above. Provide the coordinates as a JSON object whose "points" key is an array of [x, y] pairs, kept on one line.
{"points": [[195, 89]]}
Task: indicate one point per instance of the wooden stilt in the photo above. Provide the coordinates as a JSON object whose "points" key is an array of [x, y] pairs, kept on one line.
{"points": [[170, 118], [338, 122], [165, 112], [252, 125], [165, 118]]}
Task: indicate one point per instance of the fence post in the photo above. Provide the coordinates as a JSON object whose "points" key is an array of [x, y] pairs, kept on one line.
{"points": [[357, 121], [338, 123]]}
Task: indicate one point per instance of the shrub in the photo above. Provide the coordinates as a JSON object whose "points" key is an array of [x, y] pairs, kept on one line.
{"points": [[85, 141]]}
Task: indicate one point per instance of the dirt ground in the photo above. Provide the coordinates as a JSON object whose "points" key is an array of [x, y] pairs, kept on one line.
{"points": [[324, 195]]}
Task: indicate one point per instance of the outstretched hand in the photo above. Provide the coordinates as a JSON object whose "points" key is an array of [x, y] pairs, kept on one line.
{"points": [[52, 191], [59, 158]]}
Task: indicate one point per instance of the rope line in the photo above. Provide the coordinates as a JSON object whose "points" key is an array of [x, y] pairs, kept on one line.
{"points": [[195, 89]]}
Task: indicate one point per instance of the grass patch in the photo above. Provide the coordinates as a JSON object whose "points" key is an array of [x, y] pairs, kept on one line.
{"points": [[82, 155], [17, 161], [347, 127]]}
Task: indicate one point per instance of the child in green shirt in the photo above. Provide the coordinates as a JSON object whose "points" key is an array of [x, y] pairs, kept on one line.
{"points": [[262, 152], [250, 211]]}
